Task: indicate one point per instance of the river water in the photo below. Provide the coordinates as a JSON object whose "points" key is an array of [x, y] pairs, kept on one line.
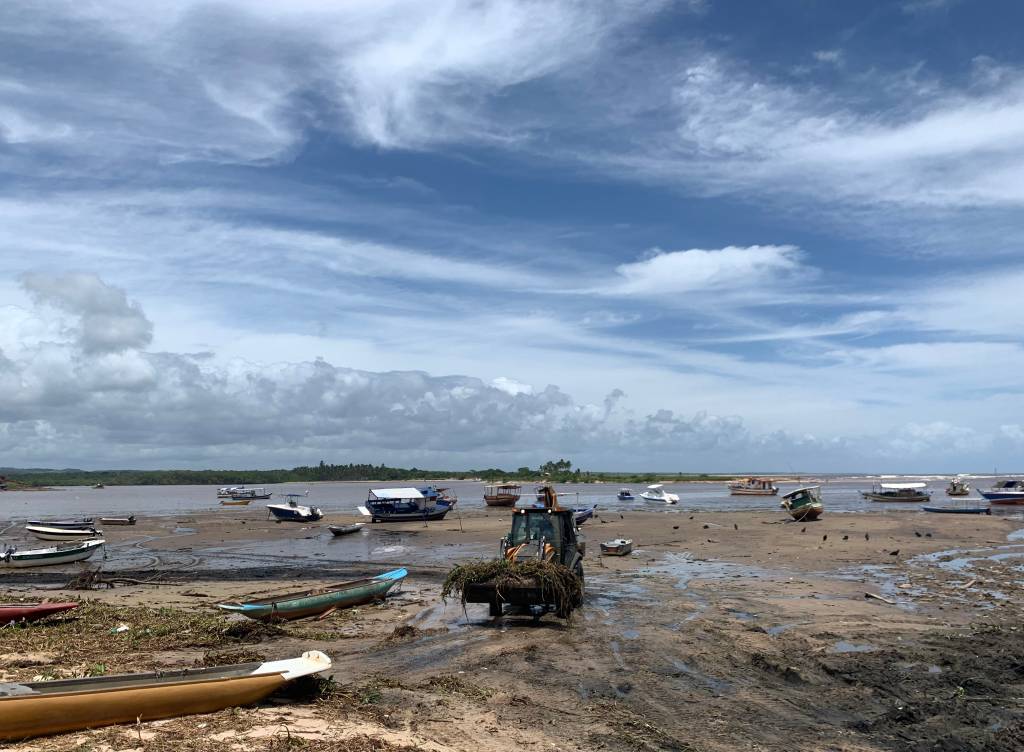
{"points": [[839, 495]]}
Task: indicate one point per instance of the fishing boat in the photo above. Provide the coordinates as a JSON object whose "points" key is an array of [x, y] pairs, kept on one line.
{"points": [[240, 502], [580, 516], [657, 492], [804, 503], [957, 510], [502, 494], [897, 492], [292, 511], [1005, 492], [227, 491], [403, 505], [958, 487], [340, 530], [43, 532], [617, 547], [129, 520], [16, 612], [41, 557], [320, 601], [82, 524], [625, 494], [252, 494], [41, 708], [753, 487], [434, 494], [99, 485]]}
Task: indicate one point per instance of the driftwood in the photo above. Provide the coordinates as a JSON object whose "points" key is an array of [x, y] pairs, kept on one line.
{"points": [[879, 598], [93, 579]]}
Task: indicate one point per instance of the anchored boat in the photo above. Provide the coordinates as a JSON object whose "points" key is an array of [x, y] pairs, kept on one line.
{"points": [[1005, 492], [292, 511], [804, 503], [957, 487], [52, 707], [317, 602], [957, 510], [403, 505], [657, 492], [84, 523], [625, 494], [753, 487], [15, 612], [41, 557], [580, 516], [617, 547], [897, 492], [129, 520], [63, 533], [252, 494], [502, 494]]}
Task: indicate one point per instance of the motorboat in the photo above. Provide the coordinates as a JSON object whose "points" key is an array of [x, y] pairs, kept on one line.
{"points": [[753, 487], [803, 503], [253, 494], [33, 709], [41, 557], [582, 514], [617, 547], [897, 492], [657, 492], [403, 505], [292, 511], [502, 494], [625, 494], [1005, 492]]}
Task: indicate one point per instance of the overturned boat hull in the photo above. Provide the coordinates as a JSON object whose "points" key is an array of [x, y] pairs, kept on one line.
{"points": [[43, 708]]}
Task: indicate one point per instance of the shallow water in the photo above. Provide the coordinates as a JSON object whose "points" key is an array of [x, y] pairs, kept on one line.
{"points": [[839, 496]]}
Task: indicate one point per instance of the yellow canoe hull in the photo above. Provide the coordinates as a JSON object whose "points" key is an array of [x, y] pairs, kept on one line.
{"points": [[27, 716]]}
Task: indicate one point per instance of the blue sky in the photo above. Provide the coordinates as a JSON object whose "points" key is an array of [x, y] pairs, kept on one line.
{"points": [[705, 235]]}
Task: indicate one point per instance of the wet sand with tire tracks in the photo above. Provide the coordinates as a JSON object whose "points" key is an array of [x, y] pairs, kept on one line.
{"points": [[724, 630]]}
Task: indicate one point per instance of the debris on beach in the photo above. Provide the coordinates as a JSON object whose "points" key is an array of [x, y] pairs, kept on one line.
{"points": [[556, 581]]}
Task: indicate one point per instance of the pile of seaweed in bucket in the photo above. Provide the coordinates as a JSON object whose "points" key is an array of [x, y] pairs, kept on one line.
{"points": [[559, 586]]}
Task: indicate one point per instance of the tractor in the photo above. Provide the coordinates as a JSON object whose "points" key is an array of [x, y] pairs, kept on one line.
{"points": [[545, 533]]}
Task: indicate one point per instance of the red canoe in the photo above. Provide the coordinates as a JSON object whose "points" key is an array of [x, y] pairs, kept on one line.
{"points": [[31, 611]]}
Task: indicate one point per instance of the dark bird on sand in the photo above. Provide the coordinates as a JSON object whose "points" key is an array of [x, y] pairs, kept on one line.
{"points": [[846, 537], [824, 537], [917, 534], [927, 535], [675, 527], [894, 553], [691, 516], [803, 530], [735, 526], [621, 517], [867, 537], [707, 526]]}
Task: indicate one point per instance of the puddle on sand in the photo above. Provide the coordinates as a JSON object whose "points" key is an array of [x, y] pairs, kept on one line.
{"points": [[962, 559], [780, 628], [718, 686], [849, 647], [684, 568], [184, 530], [631, 634]]}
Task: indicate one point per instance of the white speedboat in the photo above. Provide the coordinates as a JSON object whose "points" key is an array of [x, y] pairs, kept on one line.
{"points": [[657, 492], [1005, 492]]}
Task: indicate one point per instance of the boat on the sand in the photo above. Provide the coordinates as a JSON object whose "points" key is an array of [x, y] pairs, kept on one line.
{"points": [[957, 510], [41, 557], [580, 516], [617, 547], [321, 601], [502, 494], [753, 487], [803, 503], [292, 511], [84, 523], [897, 492], [657, 492], [129, 520], [63, 533], [51, 707], [16, 612], [403, 505], [340, 530], [1005, 492]]}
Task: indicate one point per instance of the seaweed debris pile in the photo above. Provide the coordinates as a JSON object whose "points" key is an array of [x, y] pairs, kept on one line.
{"points": [[557, 582]]}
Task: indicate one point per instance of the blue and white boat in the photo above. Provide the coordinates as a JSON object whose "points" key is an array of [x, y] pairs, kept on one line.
{"points": [[626, 494], [1005, 492], [292, 511], [582, 515], [405, 505]]}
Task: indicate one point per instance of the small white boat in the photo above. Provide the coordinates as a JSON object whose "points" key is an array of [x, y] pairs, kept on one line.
{"points": [[41, 557], [657, 492], [340, 530], [617, 547], [295, 512], [63, 533]]}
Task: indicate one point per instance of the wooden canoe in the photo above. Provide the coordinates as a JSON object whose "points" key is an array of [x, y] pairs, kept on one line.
{"points": [[15, 612], [319, 601], [339, 530], [129, 520], [618, 547], [42, 708], [235, 502]]}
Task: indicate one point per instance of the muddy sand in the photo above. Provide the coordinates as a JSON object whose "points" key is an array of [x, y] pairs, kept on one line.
{"points": [[723, 631]]}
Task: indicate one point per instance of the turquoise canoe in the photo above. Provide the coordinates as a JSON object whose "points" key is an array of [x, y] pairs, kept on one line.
{"points": [[318, 602]]}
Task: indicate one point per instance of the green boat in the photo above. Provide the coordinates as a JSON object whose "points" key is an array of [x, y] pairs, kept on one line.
{"points": [[318, 602], [804, 503]]}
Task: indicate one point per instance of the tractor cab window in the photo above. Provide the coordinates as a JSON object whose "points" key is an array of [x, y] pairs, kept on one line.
{"points": [[532, 527]]}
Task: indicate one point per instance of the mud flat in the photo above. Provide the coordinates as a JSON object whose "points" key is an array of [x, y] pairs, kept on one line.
{"points": [[723, 631]]}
